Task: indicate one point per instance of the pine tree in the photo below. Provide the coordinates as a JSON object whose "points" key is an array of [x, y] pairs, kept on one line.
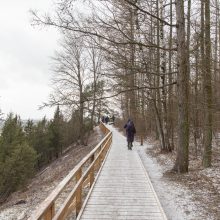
{"points": [[17, 158], [11, 136], [41, 143], [55, 133]]}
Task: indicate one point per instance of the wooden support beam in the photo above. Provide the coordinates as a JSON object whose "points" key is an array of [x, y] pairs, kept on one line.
{"points": [[50, 212], [142, 140], [78, 193], [91, 177]]}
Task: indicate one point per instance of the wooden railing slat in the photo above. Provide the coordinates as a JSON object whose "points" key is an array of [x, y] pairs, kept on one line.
{"points": [[78, 193]]}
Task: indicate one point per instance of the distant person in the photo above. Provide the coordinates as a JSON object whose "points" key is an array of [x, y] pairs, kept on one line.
{"points": [[113, 119], [130, 132], [103, 119], [106, 119]]}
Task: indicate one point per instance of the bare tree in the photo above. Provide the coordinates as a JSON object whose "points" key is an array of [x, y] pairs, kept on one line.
{"points": [[70, 76], [146, 48], [207, 90], [182, 160]]}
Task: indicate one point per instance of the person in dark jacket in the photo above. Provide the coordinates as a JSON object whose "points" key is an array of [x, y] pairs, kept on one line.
{"points": [[113, 119], [130, 132], [103, 119], [106, 119]]}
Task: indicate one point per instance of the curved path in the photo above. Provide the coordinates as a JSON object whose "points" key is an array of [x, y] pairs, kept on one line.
{"points": [[123, 190]]}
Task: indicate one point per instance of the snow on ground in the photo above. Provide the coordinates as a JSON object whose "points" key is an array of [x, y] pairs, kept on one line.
{"points": [[175, 199], [191, 196]]}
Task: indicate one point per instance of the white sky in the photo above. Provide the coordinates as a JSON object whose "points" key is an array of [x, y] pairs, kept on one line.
{"points": [[25, 54]]}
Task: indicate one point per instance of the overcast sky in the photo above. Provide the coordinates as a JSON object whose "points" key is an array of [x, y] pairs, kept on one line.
{"points": [[25, 59]]}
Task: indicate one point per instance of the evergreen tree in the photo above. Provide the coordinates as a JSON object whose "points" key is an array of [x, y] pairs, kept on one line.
{"points": [[17, 158], [56, 133], [11, 136], [39, 139], [29, 132], [17, 169]]}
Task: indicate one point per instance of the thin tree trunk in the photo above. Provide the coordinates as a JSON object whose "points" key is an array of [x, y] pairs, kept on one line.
{"points": [[163, 81], [182, 160], [170, 89], [196, 116], [133, 110], [158, 95], [207, 155]]}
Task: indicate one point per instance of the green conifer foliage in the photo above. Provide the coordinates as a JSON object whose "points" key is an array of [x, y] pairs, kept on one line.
{"points": [[56, 133], [17, 158], [38, 138]]}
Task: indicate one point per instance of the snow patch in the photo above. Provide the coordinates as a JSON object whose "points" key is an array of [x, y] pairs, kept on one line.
{"points": [[175, 199]]}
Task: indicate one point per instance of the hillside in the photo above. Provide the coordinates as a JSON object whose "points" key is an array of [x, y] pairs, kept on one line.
{"points": [[20, 204]]}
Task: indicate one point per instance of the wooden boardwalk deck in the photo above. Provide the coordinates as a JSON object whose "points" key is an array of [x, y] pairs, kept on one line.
{"points": [[123, 189]]}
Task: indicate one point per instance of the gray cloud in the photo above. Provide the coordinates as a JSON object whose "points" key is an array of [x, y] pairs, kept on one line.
{"points": [[24, 59]]}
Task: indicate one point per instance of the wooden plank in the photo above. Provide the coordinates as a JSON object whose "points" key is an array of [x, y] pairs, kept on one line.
{"points": [[78, 193], [122, 202], [50, 212], [133, 209], [125, 214], [121, 207], [115, 217], [122, 194]]}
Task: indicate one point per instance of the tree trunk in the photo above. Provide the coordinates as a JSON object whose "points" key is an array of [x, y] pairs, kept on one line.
{"points": [[132, 95], [182, 160], [207, 154], [158, 104], [170, 89]]}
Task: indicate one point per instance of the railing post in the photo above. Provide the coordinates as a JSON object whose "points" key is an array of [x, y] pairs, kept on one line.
{"points": [[142, 140], [78, 192], [99, 161], [50, 212], [101, 155], [92, 171]]}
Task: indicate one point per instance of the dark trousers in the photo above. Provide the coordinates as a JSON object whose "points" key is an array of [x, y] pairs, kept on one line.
{"points": [[130, 145]]}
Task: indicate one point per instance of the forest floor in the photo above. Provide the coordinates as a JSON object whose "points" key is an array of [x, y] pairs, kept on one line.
{"points": [[20, 204], [191, 196]]}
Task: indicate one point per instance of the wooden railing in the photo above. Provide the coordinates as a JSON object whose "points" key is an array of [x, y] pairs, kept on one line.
{"points": [[84, 175]]}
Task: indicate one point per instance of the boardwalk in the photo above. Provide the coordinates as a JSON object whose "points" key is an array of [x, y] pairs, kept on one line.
{"points": [[123, 189]]}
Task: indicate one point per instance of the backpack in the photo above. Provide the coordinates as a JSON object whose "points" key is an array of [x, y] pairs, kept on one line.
{"points": [[131, 128]]}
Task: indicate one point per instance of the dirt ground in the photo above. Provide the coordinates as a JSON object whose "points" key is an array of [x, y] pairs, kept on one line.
{"points": [[20, 204], [203, 184]]}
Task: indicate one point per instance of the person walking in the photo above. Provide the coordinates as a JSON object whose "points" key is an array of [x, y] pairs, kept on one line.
{"points": [[103, 119], [106, 119], [113, 119], [130, 132]]}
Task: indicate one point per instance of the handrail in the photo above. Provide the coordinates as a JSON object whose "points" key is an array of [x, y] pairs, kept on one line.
{"points": [[47, 210]]}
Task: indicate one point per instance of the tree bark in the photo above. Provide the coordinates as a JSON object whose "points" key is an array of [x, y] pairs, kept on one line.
{"points": [[182, 160], [207, 154], [170, 89]]}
